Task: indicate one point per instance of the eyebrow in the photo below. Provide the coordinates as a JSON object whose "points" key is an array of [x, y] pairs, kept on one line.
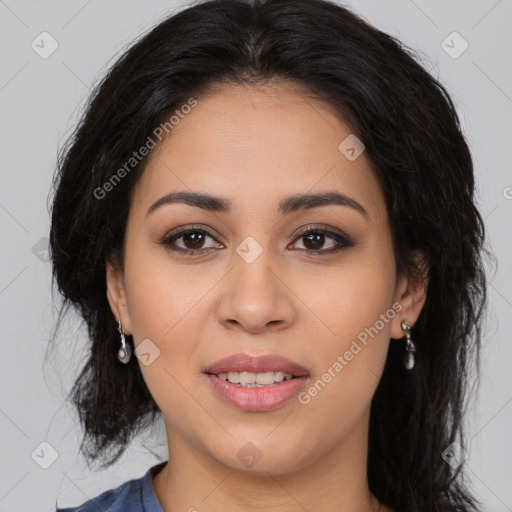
{"points": [[288, 205]]}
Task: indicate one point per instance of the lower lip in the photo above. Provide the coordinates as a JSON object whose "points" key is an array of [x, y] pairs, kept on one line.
{"points": [[257, 399]]}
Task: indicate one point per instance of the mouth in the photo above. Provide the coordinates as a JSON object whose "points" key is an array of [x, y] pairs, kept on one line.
{"points": [[253, 371], [256, 383]]}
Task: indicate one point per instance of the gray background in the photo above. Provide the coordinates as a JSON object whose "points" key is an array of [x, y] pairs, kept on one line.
{"points": [[41, 99]]}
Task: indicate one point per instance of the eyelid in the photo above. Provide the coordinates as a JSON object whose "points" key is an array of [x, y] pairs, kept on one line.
{"points": [[186, 229], [323, 228]]}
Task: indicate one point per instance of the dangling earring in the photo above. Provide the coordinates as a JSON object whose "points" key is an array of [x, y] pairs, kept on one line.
{"points": [[409, 347], [125, 352]]}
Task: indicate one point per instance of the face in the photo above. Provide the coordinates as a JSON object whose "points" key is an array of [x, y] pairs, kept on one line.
{"points": [[315, 285]]}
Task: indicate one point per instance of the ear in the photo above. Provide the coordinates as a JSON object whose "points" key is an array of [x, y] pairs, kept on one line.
{"points": [[117, 296], [411, 293]]}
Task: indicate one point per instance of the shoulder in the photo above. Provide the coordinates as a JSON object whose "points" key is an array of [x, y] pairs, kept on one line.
{"points": [[123, 498], [131, 496]]}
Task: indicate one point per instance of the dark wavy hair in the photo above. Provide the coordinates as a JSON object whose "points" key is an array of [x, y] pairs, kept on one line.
{"points": [[417, 150]]}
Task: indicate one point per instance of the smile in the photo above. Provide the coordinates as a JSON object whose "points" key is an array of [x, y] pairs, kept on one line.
{"points": [[253, 380]]}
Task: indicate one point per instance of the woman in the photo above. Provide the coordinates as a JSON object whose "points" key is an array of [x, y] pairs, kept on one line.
{"points": [[266, 218]]}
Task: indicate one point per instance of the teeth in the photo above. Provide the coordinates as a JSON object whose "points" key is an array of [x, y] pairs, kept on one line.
{"points": [[279, 376], [234, 377], [251, 380]]}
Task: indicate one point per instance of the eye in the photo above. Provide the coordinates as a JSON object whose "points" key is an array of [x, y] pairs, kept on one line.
{"points": [[314, 238], [192, 238]]}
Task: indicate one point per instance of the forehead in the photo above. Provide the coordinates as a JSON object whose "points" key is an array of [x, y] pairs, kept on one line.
{"points": [[256, 146]]}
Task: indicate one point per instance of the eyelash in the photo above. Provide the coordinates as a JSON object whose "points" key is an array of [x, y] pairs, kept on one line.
{"points": [[341, 239]]}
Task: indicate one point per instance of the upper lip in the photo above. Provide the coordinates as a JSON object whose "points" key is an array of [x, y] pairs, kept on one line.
{"points": [[256, 364]]}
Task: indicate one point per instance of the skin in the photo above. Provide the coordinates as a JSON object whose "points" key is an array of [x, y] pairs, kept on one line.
{"points": [[255, 146]]}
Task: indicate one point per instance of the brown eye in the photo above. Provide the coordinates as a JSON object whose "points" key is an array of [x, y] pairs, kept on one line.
{"points": [[193, 240], [314, 240]]}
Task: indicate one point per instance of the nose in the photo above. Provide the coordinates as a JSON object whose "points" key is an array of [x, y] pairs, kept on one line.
{"points": [[256, 297]]}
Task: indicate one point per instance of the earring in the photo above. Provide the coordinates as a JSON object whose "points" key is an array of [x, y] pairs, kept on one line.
{"points": [[125, 352], [410, 347]]}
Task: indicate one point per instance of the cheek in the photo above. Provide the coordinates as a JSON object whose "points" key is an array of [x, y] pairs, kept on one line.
{"points": [[356, 309], [352, 297], [162, 305], [160, 293]]}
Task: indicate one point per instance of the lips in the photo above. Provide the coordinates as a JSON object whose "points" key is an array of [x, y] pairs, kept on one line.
{"points": [[256, 364], [256, 399]]}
